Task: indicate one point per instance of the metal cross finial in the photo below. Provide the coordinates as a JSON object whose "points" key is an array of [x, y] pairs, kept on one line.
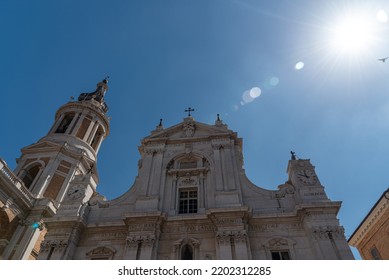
{"points": [[189, 110]]}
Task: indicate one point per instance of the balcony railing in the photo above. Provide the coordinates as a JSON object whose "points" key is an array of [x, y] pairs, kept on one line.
{"points": [[8, 174]]}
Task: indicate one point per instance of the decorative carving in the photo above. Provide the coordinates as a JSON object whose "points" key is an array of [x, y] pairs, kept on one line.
{"points": [[184, 241], [284, 190], [189, 128], [224, 237], [188, 182], [278, 242], [132, 241], [328, 232], [142, 227], [101, 253], [59, 245], [273, 227], [187, 228], [146, 240], [114, 235]]}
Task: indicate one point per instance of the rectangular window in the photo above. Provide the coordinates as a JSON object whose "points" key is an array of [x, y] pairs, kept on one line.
{"points": [[280, 255], [188, 201]]}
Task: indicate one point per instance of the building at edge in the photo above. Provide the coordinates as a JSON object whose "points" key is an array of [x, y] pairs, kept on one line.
{"points": [[190, 200], [371, 237]]}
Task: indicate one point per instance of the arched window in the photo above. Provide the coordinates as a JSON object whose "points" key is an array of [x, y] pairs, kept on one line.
{"points": [[96, 139], [65, 123], [186, 252], [30, 175], [186, 249]]}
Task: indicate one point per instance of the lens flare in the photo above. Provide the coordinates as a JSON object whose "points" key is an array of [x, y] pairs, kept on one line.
{"points": [[255, 92], [299, 65]]}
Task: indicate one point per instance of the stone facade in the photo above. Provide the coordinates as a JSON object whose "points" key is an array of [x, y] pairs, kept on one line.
{"points": [[371, 238], [190, 200]]}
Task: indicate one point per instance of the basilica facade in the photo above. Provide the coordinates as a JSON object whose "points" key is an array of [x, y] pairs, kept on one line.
{"points": [[190, 200]]}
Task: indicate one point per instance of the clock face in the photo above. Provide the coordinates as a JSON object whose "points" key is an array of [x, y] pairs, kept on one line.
{"points": [[76, 191], [307, 177]]}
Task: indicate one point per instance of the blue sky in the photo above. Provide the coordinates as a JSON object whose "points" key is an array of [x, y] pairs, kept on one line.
{"points": [[278, 72]]}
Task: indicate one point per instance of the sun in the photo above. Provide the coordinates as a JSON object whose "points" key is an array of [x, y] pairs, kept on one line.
{"points": [[352, 34]]}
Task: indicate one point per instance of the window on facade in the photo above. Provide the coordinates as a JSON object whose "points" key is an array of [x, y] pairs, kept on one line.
{"points": [[280, 255], [186, 252], [375, 253], [188, 201], [65, 123], [96, 138], [30, 176]]}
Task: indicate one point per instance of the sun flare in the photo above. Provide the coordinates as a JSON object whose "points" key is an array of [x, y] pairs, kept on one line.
{"points": [[352, 35]]}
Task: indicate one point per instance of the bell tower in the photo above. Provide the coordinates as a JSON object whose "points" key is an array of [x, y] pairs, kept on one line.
{"points": [[70, 148], [59, 168]]}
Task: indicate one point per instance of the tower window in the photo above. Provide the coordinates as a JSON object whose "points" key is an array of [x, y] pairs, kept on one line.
{"points": [[188, 201], [65, 123], [280, 255], [30, 175], [96, 138]]}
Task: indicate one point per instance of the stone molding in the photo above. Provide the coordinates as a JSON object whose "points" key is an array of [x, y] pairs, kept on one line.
{"points": [[59, 245]]}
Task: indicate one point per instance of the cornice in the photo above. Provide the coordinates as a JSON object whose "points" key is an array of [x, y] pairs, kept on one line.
{"points": [[372, 218]]}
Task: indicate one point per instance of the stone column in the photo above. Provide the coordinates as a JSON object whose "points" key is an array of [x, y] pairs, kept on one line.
{"points": [[57, 123], [71, 125], [147, 247], [223, 246], [241, 248], [12, 243], [132, 244], [28, 241], [78, 124]]}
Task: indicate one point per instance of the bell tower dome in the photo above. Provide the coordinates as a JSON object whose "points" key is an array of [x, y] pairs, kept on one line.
{"points": [[70, 148]]}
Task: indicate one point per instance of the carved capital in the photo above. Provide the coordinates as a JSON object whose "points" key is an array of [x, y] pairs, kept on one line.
{"points": [[58, 245], [328, 232]]}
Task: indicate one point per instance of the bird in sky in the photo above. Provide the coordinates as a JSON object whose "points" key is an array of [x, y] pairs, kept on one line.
{"points": [[383, 59]]}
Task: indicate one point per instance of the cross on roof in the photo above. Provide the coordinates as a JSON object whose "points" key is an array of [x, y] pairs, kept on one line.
{"points": [[189, 110]]}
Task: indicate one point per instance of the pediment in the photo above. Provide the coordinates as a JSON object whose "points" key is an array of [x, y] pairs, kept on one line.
{"points": [[190, 129], [41, 146]]}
